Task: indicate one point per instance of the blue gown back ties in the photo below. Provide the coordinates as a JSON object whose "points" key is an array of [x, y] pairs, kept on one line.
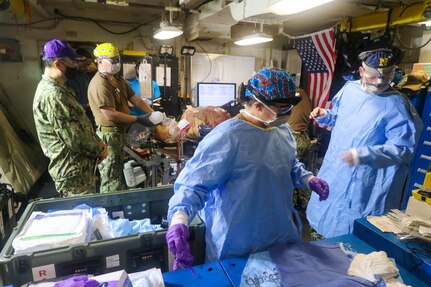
{"points": [[384, 129], [241, 179]]}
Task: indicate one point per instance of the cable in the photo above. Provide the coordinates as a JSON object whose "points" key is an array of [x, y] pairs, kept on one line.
{"points": [[211, 64], [57, 19], [76, 18], [408, 6], [407, 47]]}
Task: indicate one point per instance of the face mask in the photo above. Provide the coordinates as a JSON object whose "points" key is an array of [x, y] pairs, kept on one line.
{"points": [[374, 89], [279, 118], [112, 68], [115, 68], [274, 123], [71, 73], [376, 85]]}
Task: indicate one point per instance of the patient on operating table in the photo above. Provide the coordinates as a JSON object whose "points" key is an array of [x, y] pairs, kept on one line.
{"points": [[189, 126]]}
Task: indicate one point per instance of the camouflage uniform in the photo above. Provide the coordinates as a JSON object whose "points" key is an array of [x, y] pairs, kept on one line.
{"points": [[111, 169], [67, 138], [103, 92], [299, 121]]}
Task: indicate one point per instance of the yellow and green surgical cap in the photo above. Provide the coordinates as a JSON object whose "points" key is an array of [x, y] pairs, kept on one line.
{"points": [[106, 50]]}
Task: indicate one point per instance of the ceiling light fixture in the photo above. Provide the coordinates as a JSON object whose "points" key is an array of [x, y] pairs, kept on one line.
{"points": [[255, 38], [288, 7], [167, 30]]}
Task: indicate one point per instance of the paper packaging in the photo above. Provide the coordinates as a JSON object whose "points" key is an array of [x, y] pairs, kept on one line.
{"points": [[114, 279], [418, 208]]}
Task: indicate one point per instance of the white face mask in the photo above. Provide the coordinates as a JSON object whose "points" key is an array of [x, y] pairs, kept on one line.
{"points": [[112, 68], [374, 89], [278, 120], [375, 84], [274, 123]]}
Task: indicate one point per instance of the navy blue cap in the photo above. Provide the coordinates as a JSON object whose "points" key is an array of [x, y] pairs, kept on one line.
{"points": [[380, 59]]}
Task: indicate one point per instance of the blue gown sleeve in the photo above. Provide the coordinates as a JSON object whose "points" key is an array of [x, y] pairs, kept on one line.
{"points": [[331, 114], [402, 128], [207, 170], [299, 173]]}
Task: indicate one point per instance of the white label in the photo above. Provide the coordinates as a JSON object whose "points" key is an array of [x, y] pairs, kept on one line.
{"points": [[10, 208], [145, 85], [160, 76], [1, 225], [44, 272], [183, 124], [113, 261], [119, 214]]}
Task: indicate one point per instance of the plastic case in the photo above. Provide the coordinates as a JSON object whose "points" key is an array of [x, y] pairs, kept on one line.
{"points": [[424, 194], [7, 213], [131, 253], [421, 195]]}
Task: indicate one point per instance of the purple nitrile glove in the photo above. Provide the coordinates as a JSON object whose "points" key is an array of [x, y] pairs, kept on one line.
{"points": [[77, 281], [92, 283], [176, 237], [320, 187]]}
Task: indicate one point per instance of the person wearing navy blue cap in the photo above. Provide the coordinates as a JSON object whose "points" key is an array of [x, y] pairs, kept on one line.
{"points": [[65, 133], [375, 131], [241, 177]]}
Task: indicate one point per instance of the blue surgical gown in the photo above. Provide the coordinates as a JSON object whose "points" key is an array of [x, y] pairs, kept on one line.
{"points": [[384, 129], [241, 179]]}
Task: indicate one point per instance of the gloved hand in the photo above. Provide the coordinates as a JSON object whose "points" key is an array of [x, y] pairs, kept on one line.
{"points": [[151, 119], [176, 237], [77, 281], [320, 187], [350, 157]]}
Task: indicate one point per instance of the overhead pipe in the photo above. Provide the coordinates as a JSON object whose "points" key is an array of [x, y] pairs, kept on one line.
{"points": [[413, 13]]}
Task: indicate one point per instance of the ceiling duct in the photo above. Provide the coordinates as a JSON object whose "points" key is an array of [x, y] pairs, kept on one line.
{"points": [[216, 18], [214, 21]]}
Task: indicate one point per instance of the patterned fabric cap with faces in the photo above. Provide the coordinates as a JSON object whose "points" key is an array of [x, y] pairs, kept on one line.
{"points": [[381, 60], [272, 85], [106, 50]]}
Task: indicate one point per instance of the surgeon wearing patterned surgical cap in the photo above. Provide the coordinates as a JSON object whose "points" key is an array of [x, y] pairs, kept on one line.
{"points": [[374, 133], [241, 178]]}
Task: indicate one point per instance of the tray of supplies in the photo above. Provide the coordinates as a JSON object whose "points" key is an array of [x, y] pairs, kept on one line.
{"points": [[95, 254]]}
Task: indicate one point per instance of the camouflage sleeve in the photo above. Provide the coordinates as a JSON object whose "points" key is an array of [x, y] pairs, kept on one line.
{"points": [[72, 125]]}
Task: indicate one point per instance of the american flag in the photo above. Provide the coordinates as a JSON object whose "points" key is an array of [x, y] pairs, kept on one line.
{"points": [[317, 52]]}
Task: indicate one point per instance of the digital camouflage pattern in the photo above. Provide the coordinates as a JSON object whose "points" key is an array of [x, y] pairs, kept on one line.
{"points": [[111, 168], [67, 138], [301, 196]]}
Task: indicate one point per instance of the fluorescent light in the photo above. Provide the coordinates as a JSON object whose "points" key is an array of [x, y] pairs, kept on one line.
{"points": [[256, 38], [288, 7], [167, 32]]}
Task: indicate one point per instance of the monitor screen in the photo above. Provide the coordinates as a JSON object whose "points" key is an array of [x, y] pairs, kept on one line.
{"points": [[215, 94]]}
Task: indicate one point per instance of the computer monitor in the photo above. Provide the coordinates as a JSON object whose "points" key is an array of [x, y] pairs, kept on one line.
{"points": [[215, 94]]}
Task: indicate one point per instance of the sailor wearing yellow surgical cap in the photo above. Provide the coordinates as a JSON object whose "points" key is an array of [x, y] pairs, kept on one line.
{"points": [[108, 95]]}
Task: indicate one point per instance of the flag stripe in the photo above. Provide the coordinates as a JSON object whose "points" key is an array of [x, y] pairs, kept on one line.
{"points": [[317, 51]]}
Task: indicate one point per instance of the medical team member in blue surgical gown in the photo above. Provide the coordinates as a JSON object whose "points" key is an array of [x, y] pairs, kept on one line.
{"points": [[241, 178], [375, 130]]}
